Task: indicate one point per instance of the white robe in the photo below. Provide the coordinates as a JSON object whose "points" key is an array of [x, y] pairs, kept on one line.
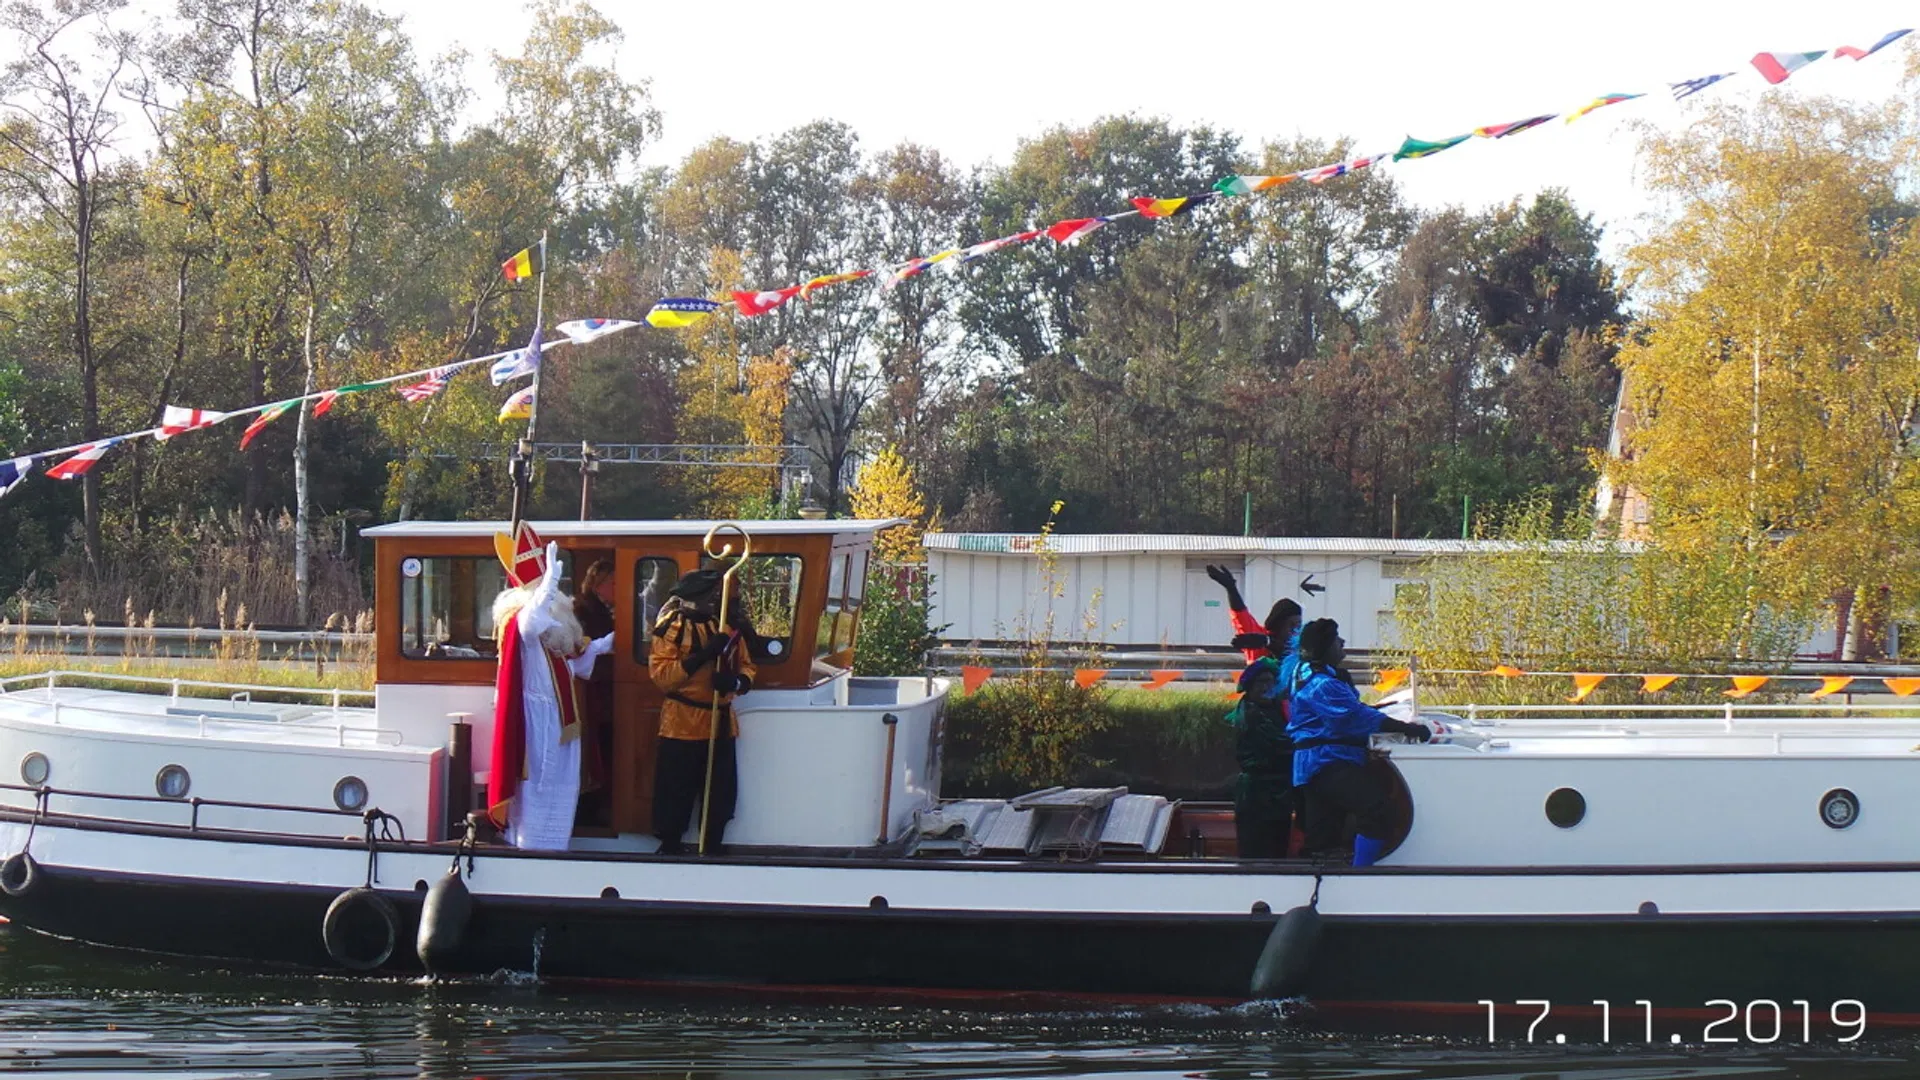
{"points": [[541, 815]]}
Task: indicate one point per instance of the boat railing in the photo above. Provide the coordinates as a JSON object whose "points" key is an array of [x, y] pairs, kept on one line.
{"points": [[237, 694], [1483, 724], [44, 795]]}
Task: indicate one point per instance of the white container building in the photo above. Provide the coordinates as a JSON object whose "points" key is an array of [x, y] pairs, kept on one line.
{"points": [[1152, 591]]}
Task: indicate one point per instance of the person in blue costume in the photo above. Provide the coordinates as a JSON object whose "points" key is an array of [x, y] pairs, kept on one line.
{"points": [[1263, 801], [1331, 727]]}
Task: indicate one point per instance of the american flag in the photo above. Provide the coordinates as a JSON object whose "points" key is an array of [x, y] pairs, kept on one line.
{"points": [[435, 382]]}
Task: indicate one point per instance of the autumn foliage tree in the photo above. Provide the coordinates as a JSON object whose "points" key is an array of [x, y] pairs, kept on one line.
{"points": [[1774, 388]]}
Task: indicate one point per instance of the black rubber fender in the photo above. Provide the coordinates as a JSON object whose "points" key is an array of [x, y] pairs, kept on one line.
{"points": [[443, 920], [19, 874], [361, 929], [1282, 968]]}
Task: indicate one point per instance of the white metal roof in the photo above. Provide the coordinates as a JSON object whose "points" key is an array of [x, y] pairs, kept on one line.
{"points": [[557, 529], [1176, 544]]}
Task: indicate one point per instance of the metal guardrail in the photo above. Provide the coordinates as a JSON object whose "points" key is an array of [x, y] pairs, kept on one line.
{"points": [[176, 641]]}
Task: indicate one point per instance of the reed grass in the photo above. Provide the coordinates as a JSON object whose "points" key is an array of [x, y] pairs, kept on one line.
{"points": [[238, 653]]}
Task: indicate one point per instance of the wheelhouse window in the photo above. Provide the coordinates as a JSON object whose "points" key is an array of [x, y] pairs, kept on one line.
{"points": [[653, 577], [770, 585], [446, 606], [840, 620]]}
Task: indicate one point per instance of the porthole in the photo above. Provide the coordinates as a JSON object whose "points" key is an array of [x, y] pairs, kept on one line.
{"points": [[1566, 807], [34, 769], [1261, 907], [1839, 808], [878, 903], [172, 782], [609, 893], [350, 794]]}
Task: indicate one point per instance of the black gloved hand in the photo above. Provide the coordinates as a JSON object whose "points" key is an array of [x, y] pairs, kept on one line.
{"points": [[1250, 641], [1224, 577], [704, 655], [1416, 732], [726, 682]]}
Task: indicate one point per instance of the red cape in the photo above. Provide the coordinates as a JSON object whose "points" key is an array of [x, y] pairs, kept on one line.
{"points": [[510, 720]]}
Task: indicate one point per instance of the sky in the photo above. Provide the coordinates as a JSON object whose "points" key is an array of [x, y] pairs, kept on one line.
{"points": [[973, 79]]}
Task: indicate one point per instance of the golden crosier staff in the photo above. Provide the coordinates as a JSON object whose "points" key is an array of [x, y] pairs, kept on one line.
{"points": [[726, 604]]}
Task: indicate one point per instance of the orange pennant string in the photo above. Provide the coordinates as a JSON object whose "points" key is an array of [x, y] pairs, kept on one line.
{"points": [[972, 678], [1653, 684], [1505, 671], [1160, 679], [1584, 684], [1745, 684], [1902, 687], [1086, 677], [1387, 678], [1832, 684]]}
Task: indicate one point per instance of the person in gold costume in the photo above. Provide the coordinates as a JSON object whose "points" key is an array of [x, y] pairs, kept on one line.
{"points": [[695, 657]]}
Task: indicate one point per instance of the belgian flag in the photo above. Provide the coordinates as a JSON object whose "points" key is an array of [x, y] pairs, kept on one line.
{"points": [[525, 264]]}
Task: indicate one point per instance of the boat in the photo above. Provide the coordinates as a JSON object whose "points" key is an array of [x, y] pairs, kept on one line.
{"points": [[1597, 862]]}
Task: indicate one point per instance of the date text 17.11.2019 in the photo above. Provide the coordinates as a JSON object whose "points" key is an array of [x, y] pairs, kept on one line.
{"points": [[1721, 1020]]}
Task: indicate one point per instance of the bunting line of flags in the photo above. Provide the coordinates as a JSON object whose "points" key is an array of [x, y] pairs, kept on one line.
{"points": [[680, 312], [683, 312], [414, 386], [1387, 680]]}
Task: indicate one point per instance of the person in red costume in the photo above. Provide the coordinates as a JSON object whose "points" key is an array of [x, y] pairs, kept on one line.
{"points": [[1275, 637]]}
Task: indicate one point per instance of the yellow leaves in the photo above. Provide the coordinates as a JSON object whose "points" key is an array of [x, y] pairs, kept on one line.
{"points": [[1775, 293], [885, 488]]}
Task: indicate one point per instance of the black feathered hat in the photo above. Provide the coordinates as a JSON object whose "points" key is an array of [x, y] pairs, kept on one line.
{"points": [[696, 585]]}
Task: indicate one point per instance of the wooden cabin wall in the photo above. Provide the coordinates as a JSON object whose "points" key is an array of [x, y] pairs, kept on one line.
{"points": [[636, 721]]}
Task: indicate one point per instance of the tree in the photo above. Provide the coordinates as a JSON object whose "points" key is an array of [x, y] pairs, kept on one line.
{"points": [[57, 135], [885, 489], [1775, 387]]}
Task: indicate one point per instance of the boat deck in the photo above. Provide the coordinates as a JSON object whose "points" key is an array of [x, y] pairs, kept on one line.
{"points": [[324, 719]]}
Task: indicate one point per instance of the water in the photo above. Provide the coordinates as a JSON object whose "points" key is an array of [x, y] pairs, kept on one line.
{"points": [[72, 1012]]}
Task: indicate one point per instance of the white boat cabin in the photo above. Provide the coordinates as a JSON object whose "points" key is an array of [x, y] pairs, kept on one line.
{"points": [[822, 755]]}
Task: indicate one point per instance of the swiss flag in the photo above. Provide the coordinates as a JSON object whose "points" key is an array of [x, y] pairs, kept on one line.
{"points": [[759, 303]]}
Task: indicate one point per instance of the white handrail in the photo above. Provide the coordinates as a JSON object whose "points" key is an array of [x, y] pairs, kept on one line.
{"points": [[51, 679]]}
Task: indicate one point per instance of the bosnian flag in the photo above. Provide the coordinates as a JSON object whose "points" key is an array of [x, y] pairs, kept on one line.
{"points": [[759, 303], [12, 472], [178, 421], [581, 331], [1776, 66], [1852, 53], [988, 247], [86, 459], [435, 382], [1073, 230], [678, 312]]}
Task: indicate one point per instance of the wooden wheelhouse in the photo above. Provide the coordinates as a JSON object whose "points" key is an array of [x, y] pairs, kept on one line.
{"points": [[436, 583]]}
